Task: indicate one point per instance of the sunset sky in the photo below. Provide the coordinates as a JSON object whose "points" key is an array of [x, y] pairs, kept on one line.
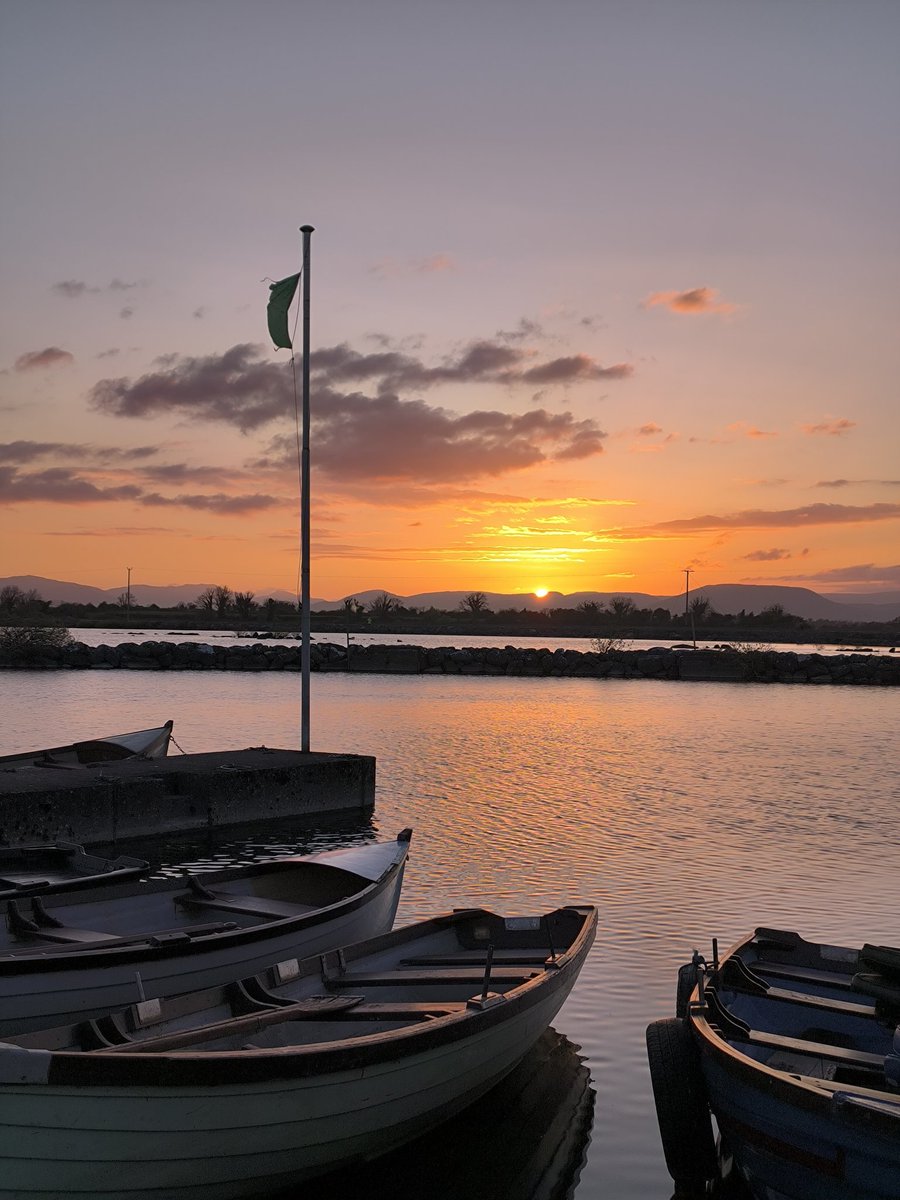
{"points": [[601, 290]]}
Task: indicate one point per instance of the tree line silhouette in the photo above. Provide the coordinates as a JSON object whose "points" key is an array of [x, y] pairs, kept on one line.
{"points": [[221, 607]]}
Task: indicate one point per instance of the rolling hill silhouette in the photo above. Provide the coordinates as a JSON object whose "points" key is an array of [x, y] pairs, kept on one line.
{"points": [[724, 598]]}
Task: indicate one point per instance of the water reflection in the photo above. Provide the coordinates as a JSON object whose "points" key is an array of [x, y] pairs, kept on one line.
{"points": [[240, 845], [539, 1121]]}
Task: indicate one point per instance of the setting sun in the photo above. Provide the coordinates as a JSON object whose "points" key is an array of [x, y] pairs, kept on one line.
{"points": [[541, 592]]}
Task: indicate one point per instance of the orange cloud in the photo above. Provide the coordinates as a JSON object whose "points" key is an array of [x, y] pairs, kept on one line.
{"points": [[841, 483], [774, 555], [437, 262], [750, 431], [834, 428], [695, 302]]}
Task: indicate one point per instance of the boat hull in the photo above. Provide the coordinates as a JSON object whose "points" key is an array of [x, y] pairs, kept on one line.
{"points": [[790, 1144]]}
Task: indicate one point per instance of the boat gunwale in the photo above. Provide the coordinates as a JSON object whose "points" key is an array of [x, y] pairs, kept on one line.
{"points": [[188, 1069]]}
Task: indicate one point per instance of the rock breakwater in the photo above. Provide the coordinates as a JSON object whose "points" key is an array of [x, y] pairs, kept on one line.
{"points": [[726, 665]]}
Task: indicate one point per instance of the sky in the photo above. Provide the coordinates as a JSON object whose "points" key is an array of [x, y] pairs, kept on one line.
{"points": [[601, 291]]}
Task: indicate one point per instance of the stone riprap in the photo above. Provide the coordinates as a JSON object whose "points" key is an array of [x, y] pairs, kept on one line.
{"points": [[738, 666]]}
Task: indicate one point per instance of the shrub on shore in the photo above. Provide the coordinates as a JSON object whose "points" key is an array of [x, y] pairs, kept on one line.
{"points": [[25, 645]]}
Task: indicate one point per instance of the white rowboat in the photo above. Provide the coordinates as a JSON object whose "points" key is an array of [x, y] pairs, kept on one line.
{"points": [[306, 1067], [97, 950], [143, 743]]}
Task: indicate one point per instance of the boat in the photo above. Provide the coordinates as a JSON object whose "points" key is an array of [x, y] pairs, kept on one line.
{"points": [[308, 1066], [99, 949], [142, 743], [60, 867], [794, 1046]]}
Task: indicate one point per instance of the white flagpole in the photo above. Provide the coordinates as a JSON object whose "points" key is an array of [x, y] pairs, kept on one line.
{"points": [[306, 230]]}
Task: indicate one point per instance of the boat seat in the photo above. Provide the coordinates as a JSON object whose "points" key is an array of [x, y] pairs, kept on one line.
{"points": [[449, 975], [23, 927], [250, 906], [477, 958], [74, 936], [841, 1054], [809, 1000], [402, 1010], [64, 936], [802, 974]]}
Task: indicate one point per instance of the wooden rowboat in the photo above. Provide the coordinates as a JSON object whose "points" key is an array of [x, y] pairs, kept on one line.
{"points": [[795, 1048], [285, 1075], [97, 950], [60, 867], [143, 743]]}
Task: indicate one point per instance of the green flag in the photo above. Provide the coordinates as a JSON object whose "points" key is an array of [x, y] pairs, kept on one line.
{"points": [[280, 296]]}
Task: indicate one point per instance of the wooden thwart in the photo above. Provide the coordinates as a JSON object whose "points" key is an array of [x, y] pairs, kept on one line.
{"points": [[817, 1049], [802, 974], [64, 936], [249, 906], [821, 1002], [477, 958], [442, 977]]}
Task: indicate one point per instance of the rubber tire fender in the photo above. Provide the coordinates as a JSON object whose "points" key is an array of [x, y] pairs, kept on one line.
{"points": [[687, 981], [682, 1110]]}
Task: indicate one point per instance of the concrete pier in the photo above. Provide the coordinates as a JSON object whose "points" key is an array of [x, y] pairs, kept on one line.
{"points": [[134, 798]]}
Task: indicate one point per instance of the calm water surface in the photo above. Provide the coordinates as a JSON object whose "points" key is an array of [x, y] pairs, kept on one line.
{"points": [[685, 810]]}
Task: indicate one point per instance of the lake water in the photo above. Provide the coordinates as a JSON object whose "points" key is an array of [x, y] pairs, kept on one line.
{"points": [[684, 810]]}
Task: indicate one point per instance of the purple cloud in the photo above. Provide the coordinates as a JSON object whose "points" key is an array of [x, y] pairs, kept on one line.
{"points": [[36, 360]]}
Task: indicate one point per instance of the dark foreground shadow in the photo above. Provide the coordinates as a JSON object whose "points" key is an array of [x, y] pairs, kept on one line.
{"points": [[525, 1140]]}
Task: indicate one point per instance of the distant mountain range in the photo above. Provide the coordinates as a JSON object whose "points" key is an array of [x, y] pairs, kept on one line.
{"points": [[724, 598]]}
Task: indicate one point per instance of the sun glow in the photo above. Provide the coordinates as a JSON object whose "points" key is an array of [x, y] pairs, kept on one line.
{"points": [[541, 592]]}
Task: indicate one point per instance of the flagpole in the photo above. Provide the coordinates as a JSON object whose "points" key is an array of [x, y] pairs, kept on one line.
{"points": [[306, 230]]}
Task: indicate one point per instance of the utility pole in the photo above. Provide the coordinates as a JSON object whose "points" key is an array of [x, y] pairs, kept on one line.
{"points": [[128, 598], [688, 571]]}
